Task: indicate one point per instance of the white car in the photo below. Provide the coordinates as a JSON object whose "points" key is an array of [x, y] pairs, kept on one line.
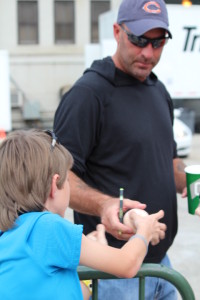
{"points": [[183, 137]]}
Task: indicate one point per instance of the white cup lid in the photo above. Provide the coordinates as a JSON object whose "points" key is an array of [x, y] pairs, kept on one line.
{"points": [[194, 169]]}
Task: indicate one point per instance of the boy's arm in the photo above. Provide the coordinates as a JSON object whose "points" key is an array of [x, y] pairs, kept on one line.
{"points": [[124, 262]]}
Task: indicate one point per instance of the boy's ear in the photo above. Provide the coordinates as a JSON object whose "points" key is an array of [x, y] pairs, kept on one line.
{"points": [[53, 185]]}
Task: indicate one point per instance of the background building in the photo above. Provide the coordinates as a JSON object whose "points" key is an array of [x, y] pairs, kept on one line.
{"points": [[46, 42]]}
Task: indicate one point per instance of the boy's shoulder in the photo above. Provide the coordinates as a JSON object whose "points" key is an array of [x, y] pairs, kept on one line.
{"points": [[45, 217]]}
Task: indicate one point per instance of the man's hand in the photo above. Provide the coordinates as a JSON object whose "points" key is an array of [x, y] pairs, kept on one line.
{"points": [[110, 217], [184, 192]]}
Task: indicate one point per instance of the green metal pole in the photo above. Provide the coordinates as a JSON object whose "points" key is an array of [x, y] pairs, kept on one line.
{"points": [[142, 288], [95, 289], [150, 270]]}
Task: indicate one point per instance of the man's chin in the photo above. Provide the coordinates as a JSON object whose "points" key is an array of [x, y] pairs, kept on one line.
{"points": [[141, 76]]}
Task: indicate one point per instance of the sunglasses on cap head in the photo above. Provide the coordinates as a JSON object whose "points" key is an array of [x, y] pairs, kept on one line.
{"points": [[142, 42], [53, 137]]}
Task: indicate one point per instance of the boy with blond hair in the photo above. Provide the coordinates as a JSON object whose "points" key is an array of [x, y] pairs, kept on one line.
{"points": [[39, 249]]}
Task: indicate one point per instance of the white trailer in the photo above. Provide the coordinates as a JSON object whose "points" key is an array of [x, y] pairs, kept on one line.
{"points": [[180, 62]]}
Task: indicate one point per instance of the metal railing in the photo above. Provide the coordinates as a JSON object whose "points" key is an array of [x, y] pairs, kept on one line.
{"points": [[150, 270]]}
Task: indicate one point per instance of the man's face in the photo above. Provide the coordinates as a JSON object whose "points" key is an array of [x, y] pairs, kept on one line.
{"points": [[137, 62]]}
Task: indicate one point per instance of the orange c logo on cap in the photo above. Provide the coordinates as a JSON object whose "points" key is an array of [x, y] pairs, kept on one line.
{"points": [[156, 9]]}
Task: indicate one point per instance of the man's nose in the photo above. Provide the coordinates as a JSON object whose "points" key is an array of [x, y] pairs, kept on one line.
{"points": [[148, 51]]}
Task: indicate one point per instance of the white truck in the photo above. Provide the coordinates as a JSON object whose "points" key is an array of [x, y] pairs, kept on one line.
{"points": [[180, 62]]}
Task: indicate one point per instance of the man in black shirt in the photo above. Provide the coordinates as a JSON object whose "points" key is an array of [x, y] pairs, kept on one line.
{"points": [[117, 123]]}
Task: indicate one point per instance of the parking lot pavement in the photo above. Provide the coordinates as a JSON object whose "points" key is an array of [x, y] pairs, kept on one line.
{"points": [[185, 251]]}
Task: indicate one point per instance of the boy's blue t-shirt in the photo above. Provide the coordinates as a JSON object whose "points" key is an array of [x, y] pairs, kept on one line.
{"points": [[39, 258]]}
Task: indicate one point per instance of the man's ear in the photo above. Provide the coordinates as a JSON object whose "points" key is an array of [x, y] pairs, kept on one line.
{"points": [[54, 185], [116, 32]]}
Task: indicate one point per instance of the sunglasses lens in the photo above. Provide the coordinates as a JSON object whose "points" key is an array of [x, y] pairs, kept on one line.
{"points": [[158, 43], [138, 41]]}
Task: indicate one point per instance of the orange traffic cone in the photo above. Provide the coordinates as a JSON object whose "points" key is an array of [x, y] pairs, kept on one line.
{"points": [[2, 134]]}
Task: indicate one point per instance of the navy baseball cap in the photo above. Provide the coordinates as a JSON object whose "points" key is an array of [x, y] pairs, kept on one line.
{"points": [[141, 16]]}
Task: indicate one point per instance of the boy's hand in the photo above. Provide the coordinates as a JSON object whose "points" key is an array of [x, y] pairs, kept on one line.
{"points": [[137, 219], [98, 235]]}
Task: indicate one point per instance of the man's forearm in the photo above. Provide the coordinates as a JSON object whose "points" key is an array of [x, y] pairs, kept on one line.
{"points": [[83, 198], [179, 174]]}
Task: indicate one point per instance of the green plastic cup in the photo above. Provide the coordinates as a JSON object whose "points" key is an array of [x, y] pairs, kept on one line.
{"points": [[193, 187]]}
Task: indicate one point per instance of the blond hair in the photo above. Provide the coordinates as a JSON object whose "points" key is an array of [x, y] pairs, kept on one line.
{"points": [[27, 166]]}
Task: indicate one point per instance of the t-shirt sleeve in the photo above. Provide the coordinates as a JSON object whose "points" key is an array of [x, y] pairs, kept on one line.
{"points": [[55, 243], [77, 124]]}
